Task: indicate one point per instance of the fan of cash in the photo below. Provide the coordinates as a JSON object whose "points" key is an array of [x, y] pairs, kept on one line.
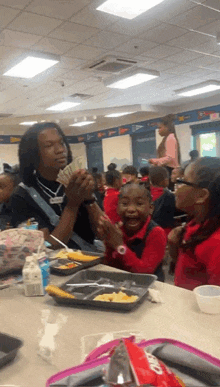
{"points": [[65, 174]]}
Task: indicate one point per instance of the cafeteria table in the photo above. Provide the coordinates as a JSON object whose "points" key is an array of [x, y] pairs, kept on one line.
{"points": [[178, 318]]}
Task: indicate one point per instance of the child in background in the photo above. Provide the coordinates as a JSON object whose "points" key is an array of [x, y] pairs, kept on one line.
{"points": [[99, 187], [177, 173], [196, 246], [129, 174], [144, 171], [113, 182], [9, 179], [139, 245], [163, 199]]}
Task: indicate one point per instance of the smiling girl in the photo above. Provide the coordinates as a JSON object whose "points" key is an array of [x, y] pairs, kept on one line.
{"points": [[139, 245], [196, 247]]}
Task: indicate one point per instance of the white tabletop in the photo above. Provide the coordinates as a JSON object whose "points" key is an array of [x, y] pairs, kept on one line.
{"points": [[177, 318]]}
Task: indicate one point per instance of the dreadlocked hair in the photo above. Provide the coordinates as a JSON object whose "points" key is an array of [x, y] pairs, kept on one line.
{"points": [[207, 172], [141, 184], [29, 154]]}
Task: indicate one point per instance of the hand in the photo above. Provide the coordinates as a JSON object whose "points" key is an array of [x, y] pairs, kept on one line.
{"points": [[151, 161], [110, 233], [174, 235], [80, 188]]}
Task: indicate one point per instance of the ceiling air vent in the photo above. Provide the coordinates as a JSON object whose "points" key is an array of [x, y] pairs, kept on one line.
{"points": [[111, 64], [81, 96]]}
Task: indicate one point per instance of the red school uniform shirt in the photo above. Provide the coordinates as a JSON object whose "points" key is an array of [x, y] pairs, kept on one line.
{"points": [[111, 203], [202, 266], [152, 255]]}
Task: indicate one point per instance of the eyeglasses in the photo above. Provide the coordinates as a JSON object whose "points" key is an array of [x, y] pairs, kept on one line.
{"points": [[181, 181]]}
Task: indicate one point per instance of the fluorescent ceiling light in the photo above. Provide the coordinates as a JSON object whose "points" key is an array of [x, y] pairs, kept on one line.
{"points": [[128, 9], [134, 78], [201, 88], [83, 123], [32, 65], [60, 107], [28, 123], [118, 114]]}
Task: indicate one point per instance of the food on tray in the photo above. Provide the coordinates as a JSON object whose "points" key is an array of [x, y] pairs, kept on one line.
{"points": [[76, 255], [53, 290], [115, 297], [67, 266]]}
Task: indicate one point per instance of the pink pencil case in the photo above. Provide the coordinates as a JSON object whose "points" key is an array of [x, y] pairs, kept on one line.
{"points": [[194, 367]]}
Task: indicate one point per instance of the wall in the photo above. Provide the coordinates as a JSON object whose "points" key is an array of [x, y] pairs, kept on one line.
{"points": [[9, 153], [117, 150], [79, 152]]}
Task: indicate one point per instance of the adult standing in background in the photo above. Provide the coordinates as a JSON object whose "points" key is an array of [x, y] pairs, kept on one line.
{"points": [[169, 150]]}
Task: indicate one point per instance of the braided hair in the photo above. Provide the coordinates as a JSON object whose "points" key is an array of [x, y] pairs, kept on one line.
{"points": [[141, 184], [207, 175]]}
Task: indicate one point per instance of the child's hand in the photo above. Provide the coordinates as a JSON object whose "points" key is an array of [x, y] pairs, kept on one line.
{"points": [[174, 235], [110, 233]]}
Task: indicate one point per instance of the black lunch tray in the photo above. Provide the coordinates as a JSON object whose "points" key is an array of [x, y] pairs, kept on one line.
{"points": [[9, 347], [133, 284], [80, 266]]}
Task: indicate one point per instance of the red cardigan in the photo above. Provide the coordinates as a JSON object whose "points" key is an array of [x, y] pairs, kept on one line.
{"points": [[110, 204], [152, 255], [202, 266]]}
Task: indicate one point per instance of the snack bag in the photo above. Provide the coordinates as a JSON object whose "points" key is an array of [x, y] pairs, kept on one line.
{"points": [[131, 365]]}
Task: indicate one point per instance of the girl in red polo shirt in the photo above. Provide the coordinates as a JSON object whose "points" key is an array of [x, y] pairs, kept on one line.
{"points": [[196, 247], [113, 181], [139, 245]]}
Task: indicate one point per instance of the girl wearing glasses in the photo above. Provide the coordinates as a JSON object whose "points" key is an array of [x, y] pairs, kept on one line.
{"points": [[169, 150], [196, 246]]}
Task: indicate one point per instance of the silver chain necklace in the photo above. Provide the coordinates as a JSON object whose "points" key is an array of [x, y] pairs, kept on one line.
{"points": [[53, 199]]}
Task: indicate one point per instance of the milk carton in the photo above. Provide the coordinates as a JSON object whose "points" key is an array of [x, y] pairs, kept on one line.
{"points": [[43, 262], [32, 278]]}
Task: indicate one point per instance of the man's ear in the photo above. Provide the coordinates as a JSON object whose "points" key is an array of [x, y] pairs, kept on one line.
{"points": [[202, 196]]}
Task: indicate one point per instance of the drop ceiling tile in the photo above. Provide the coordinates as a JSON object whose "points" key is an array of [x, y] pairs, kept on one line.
{"points": [[210, 28], [70, 63], [86, 52], [20, 4], [184, 57], [203, 61], [208, 47], [161, 65], [18, 39], [60, 9], [133, 27], [54, 46], [7, 15], [163, 33], [73, 32], [162, 51], [191, 40], [107, 40], [214, 66], [212, 3], [196, 17], [136, 46], [35, 24], [92, 18], [172, 8]]}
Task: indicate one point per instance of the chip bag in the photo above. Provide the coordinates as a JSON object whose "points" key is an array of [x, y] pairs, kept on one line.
{"points": [[131, 365]]}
